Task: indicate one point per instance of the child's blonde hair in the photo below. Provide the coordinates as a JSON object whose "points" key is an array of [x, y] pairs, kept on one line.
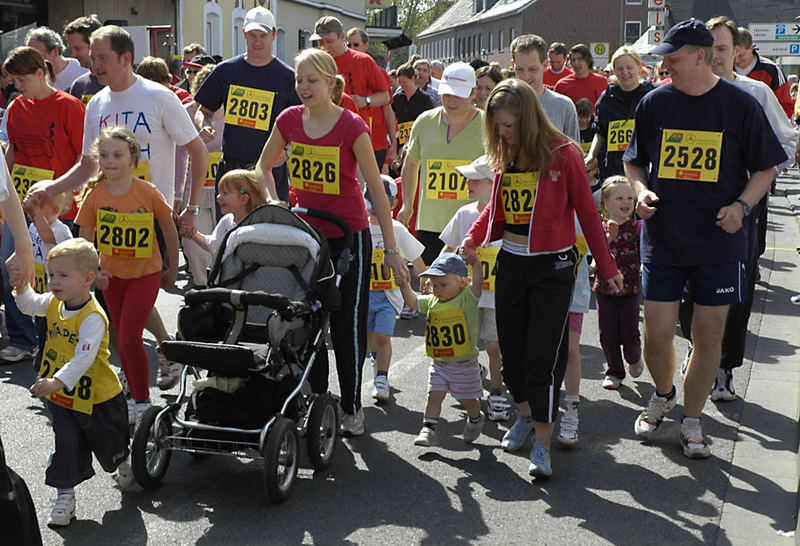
{"points": [[120, 133], [244, 182], [609, 184], [60, 200], [80, 251]]}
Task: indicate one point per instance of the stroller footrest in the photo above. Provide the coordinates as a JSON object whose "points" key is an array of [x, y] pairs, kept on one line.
{"points": [[222, 359]]}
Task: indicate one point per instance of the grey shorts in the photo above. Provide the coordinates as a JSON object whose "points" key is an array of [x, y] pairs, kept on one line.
{"points": [[487, 320], [105, 432]]}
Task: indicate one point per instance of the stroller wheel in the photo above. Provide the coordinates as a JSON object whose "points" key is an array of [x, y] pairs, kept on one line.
{"points": [[280, 459], [321, 432], [150, 452]]}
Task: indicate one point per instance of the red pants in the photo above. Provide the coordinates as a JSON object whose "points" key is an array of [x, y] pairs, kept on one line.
{"points": [[129, 303]]}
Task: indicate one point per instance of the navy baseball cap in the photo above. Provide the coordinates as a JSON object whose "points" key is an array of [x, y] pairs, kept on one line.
{"points": [[445, 264], [689, 32]]}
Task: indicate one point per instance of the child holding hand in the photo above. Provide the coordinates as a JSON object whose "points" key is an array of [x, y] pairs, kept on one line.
{"points": [[46, 231], [84, 396], [451, 328], [479, 177], [618, 312], [239, 195], [385, 299], [123, 210]]}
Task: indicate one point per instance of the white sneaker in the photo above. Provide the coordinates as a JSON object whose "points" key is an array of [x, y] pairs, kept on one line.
{"points": [[611, 382], [168, 372], [353, 425], [131, 411], [568, 427], [63, 511], [125, 478], [126, 390], [426, 437], [723, 387], [138, 410], [15, 354], [473, 430], [694, 445], [795, 299], [498, 407], [635, 370], [380, 388], [650, 419]]}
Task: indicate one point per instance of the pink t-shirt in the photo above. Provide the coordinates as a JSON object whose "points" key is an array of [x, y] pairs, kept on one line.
{"points": [[349, 203]]}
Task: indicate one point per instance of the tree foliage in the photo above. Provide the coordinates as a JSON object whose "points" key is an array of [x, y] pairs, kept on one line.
{"points": [[414, 17]]}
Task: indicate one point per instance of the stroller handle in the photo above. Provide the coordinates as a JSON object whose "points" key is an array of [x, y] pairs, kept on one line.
{"points": [[344, 258], [285, 307]]}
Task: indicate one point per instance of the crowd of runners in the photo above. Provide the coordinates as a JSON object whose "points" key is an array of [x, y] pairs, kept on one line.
{"points": [[511, 193]]}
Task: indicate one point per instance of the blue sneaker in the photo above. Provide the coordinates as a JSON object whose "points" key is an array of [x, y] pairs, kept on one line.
{"points": [[518, 434], [540, 462]]}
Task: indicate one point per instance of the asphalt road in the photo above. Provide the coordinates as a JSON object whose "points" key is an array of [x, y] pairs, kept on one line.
{"points": [[380, 488]]}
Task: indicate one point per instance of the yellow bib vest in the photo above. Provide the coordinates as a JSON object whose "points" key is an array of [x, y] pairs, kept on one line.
{"points": [[99, 383]]}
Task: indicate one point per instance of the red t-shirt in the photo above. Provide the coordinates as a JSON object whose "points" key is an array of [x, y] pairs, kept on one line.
{"points": [[590, 87], [46, 133], [348, 103], [550, 79], [349, 203], [364, 78]]}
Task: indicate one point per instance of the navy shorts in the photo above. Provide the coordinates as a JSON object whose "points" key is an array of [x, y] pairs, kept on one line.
{"points": [[716, 284]]}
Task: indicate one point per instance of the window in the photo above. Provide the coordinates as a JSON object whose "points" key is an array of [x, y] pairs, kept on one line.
{"points": [[501, 39], [633, 2], [491, 42], [513, 33], [238, 43], [212, 22], [280, 42], [633, 29]]}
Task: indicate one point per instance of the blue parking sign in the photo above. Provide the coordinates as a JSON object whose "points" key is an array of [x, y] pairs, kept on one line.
{"points": [[794, 49], [780, 29]]}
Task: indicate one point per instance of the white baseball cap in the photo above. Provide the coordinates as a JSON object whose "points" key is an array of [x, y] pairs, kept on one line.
{"points": [[458, 79], [477, 170], [259, 18]]}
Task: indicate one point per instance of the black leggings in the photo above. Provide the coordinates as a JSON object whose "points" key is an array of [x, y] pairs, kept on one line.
{"points": [[348, 325], [533, 295]]}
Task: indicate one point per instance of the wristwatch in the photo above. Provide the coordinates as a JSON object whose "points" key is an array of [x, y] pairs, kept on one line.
{"points": [[391, 251], [194, 209], [368, 99], [745, 206]]}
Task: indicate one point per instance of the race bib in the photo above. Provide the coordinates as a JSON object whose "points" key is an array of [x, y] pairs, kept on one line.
{"points": [[443, 181], [446, 334], [24, 177], [404, 131], [585, 147], [248, 107], [690, 155], [81, 396], [142, 170], [314, 168], [620, 132], [86, 98], [518, 191], [126, 234], [39, 279], [213, 166], [380, 279], [488, 258]]}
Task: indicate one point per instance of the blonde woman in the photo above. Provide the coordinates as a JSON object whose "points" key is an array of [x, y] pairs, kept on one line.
{"points": [[615, 109], [339, 140]]}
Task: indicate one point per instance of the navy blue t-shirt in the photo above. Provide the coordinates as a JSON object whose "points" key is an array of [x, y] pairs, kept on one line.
{"points": [[683, 230], [84, 87], [616, 105], [243, 145]]}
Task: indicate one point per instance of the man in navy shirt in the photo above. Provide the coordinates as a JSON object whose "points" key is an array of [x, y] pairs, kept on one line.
{"points": [[711, 155], [254, 88]]}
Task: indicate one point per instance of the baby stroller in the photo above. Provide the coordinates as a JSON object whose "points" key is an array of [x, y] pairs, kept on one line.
{"points": [[256, 332]]}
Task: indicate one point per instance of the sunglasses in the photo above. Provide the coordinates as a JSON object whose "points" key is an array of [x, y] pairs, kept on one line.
{"points": [[192, 71]]}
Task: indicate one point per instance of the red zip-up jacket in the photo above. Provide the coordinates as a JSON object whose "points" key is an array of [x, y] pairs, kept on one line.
{"points": [[562, 192]]}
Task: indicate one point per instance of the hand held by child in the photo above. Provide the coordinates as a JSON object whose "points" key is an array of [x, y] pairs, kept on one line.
{"points": [[45, 387]]}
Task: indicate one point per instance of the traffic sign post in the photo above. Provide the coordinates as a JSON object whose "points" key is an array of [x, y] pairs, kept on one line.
{"points": [[600, 52], [772, 49], [775, 32]]}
